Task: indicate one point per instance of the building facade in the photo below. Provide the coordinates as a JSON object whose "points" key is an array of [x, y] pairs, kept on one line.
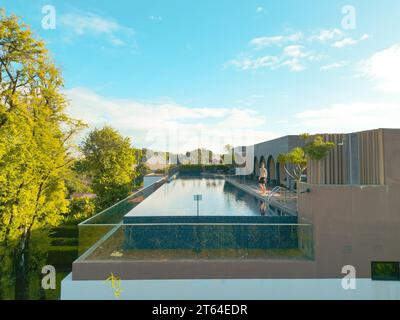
{"points": [[268, 152]]}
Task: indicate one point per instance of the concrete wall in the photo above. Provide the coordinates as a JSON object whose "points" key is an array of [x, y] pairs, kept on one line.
{"points": [[269, 152], [352, 225], [356, 224], [392, 157], [217, 289], [357, 159]]}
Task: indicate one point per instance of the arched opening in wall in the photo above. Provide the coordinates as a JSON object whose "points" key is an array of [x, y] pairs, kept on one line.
{"points": [[256, 169], [262, 160], [271, 168]]}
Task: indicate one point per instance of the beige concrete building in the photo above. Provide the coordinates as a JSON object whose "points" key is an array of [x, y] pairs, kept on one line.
{"points": [[348, 213], [351, 201], [347, 218], [354, 202]]}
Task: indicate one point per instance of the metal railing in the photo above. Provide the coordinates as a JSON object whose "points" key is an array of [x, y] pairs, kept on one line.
{"points": [[282, 197], [272, 193], [124, 206]]}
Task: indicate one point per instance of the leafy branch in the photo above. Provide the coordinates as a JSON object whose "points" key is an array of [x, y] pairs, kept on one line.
{"points": [[296, 161]]}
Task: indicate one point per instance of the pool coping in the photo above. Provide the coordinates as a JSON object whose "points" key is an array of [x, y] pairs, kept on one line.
{"points": [[252, 192], [215, 219], [196, 269]]}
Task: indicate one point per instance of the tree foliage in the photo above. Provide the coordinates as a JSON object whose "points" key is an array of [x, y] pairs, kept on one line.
{"points": [[141, 168], [35, 138], [296, 161], [318, 149], [80, 209], [110, 161]]}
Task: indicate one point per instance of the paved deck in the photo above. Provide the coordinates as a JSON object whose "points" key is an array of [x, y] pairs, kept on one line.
{"points": [[286, 201]]}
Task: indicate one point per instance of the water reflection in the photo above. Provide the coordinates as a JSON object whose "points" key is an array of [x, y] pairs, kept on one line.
{"points": [[219, 198], [263, 207], [241, 196]]}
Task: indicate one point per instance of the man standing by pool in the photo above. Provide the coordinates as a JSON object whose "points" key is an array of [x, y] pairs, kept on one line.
{"points": [[262, 180]]}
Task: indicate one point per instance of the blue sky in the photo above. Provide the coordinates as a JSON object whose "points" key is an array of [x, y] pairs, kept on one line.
{"points": [[178, 74]]}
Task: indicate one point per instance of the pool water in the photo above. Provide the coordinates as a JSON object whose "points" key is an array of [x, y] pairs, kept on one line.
{"points": [[229, 223], [219, 198]]}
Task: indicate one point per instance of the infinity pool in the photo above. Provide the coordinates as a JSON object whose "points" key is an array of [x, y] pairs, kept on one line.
{"points": [[230, 223], [219, 198]]}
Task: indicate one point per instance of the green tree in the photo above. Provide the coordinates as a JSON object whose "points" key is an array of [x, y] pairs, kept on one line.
{"points": [[295, 162], [110, 161], [35, 140], [141, 168], [80, 209], [77, 180]]}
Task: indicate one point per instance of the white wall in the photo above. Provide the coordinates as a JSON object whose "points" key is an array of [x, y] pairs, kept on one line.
{"points": [[239, 289]]}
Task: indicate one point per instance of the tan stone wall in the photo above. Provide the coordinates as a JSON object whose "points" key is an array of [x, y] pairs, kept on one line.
{"points": [[352, 225], [392, 157], [355, 224], [371, 157]]}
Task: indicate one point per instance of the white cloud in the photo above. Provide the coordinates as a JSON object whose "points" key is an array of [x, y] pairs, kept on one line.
{"points": [[259, 9], [250, 100], [365, 37], [294, 65], [317, 57], [335, 65], [349, 41], [294, 54], [383, 68], [292, 57], [262, 42], [295, 51], [298, 50], [326, 35], [334, 36], [165, 125], [349, 117], [155, 18], [344, 43], [92, 24], [249, 63]]}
